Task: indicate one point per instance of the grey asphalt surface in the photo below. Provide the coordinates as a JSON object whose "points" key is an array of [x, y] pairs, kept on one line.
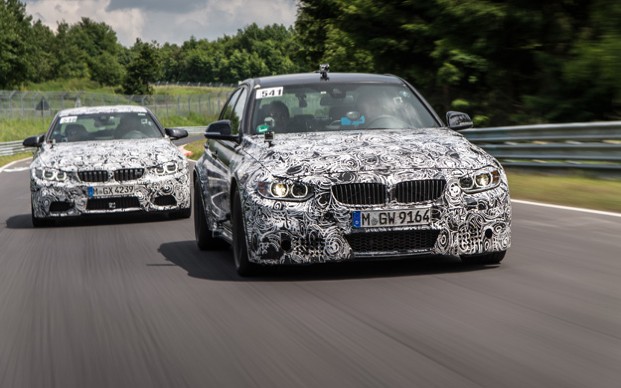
{"points": [[134, 303]]}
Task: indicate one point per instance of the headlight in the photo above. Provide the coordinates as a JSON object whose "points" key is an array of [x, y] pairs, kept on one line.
{"points": [[50, 174], [288, 191], [166, 168], [480, 180]]}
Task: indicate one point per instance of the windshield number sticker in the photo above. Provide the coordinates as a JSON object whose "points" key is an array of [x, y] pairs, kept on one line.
{"points": [[269, 92], [68, 119]]}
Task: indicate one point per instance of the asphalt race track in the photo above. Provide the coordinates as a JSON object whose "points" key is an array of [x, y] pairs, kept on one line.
{"points": [[133, 303]]}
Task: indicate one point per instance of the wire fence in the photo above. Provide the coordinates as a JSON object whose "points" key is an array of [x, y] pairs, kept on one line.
{"points": [[18, 104]]}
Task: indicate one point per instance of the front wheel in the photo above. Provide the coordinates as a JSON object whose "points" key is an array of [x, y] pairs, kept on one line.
{"points": [[240, 248], [489, 258]]}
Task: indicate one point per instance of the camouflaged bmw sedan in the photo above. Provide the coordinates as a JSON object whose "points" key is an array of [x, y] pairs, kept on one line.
{"points": [[107, 160], [322, 167]]}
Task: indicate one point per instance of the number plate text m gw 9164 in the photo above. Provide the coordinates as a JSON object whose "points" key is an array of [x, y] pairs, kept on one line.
{"points": [[391, 218]]}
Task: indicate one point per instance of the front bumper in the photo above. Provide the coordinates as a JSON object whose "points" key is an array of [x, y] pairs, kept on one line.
{"points": [[321, 231], [148, 194]]}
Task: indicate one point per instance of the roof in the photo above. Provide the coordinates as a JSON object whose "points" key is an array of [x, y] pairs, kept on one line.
{"points": [[102, 109], [314, 78]]}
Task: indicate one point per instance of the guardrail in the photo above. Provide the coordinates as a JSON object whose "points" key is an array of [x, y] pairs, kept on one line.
{"points": [[594, 147], [11, 148]]}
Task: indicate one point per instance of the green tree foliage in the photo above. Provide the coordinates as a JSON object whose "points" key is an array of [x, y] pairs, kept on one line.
{"points": [[515, 61], [143, 69], [16, 50], [99, 49]]}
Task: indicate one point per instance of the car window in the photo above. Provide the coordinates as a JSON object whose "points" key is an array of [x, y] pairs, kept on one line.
{"points": [[329, 106], [105, 126], [238, 111]]}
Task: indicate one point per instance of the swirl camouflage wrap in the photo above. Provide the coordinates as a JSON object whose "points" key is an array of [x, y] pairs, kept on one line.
{"points": [[333, 191], [104, 172]]}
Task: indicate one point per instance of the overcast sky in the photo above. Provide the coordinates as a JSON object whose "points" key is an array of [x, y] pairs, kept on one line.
{"points": [[172, 21]]}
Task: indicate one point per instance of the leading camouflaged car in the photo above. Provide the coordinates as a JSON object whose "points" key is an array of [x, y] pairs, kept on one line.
{"points": [[107, 160], [321, 167]]}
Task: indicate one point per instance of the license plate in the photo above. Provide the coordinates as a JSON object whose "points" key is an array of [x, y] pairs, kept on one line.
{"points": [[107, 191], [391, 218]]}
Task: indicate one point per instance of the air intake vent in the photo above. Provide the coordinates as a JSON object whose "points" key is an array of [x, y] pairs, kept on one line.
{"points": [[60, 206], [393, 241], [165, 200]]}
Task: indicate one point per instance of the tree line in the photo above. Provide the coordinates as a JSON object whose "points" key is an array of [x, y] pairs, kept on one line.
{"points": [[504, 61]]}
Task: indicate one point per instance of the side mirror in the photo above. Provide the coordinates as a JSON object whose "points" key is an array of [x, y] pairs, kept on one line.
{"points": [[33, 141], [221, 130], [458, 120], [176, 133]]}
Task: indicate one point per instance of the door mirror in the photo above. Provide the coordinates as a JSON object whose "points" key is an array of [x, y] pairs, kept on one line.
{"points": [[33, 141], [221, 130], [176, 133], [458, 120]]}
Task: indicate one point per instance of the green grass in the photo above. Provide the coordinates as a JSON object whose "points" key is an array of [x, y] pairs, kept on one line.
{"points": [[188, 90], [19, 129], [4, 160], [70, 85], [591, 193]]}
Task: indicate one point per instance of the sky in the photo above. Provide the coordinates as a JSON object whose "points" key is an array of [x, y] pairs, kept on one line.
{"points": [[172, 21]]}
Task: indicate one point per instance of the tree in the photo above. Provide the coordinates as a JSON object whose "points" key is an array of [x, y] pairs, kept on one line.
{"points": [[143, 69], [16, 51]]}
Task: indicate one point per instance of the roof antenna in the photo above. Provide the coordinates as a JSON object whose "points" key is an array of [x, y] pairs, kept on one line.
{"points": [[324, 68]]}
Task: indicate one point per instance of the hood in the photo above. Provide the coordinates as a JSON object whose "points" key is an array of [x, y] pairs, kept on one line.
{"points": [[108, 154], [300, 154]]}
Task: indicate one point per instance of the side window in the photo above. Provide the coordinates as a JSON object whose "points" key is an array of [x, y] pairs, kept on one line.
{"points": [[227, 111], [238, 111]]}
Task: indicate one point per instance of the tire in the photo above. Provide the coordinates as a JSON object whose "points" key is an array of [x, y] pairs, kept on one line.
{"points": [[240, 248], [487, 259], [204, 237]]}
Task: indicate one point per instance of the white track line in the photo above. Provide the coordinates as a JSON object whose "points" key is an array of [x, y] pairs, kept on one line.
{"points": [[577, 209], [6, 167]]}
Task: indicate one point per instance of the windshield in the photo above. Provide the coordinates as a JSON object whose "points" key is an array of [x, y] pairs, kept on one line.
{"points": [[329, 106], [105, 126]]}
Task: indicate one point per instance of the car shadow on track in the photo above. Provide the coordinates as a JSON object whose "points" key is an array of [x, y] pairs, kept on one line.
{"points": [[218, 265], [24, 221]]}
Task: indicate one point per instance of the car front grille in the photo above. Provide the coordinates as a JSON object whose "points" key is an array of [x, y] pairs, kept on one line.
{"points": [[128, 174], [392, 241], [120, 175], [360, 193], [94, 176], [377, 193], [419, 191], [112, 203]]}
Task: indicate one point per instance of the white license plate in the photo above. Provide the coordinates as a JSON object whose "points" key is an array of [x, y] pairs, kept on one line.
{"points": [[391, 218], [108, 191]]}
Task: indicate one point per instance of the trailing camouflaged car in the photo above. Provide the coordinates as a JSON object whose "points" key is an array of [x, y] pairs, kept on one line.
{"points": [[107, 159], [311, 168]]}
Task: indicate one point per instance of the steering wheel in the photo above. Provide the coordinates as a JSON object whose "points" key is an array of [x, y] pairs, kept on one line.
{"points": [[134, 134], [386, 121]]}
